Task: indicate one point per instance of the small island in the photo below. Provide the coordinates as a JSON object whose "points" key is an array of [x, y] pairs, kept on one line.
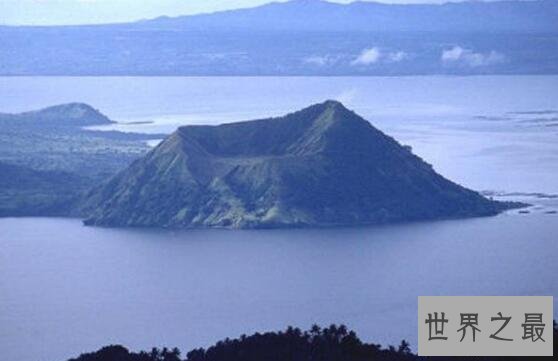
{"points": [[321, 166]]}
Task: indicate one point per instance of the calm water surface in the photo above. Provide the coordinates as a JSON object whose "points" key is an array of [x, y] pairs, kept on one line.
{"points": [[66, 289]]}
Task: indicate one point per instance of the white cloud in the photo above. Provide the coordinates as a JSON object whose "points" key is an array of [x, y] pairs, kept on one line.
{"points": [[367, 57], [347, 96], [452, 54], [317, 60], [374, 55], [459, 55], [397, 56]]}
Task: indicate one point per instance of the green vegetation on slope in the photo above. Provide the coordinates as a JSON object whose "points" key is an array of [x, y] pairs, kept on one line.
{"points": [[48, 159], [321, 166]]}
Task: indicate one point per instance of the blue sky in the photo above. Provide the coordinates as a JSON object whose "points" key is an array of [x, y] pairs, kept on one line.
{"points": [[52, 12]]}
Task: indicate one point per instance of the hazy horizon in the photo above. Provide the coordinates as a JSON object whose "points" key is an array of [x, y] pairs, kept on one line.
{"points": [[85, 12]]}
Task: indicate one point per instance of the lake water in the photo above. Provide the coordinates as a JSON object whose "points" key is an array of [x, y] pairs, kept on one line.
{"points": [[66, 289]]}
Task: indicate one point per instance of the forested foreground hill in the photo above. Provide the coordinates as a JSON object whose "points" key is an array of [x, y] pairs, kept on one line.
{"points": [[334, 343]]}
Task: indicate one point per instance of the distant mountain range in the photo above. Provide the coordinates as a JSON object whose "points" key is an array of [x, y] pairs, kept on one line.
{"points": [[321, 166], [301, 37], [538, 16]]}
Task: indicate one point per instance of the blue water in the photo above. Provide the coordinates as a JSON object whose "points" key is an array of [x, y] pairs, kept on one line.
{"points": [[66, 289]]}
